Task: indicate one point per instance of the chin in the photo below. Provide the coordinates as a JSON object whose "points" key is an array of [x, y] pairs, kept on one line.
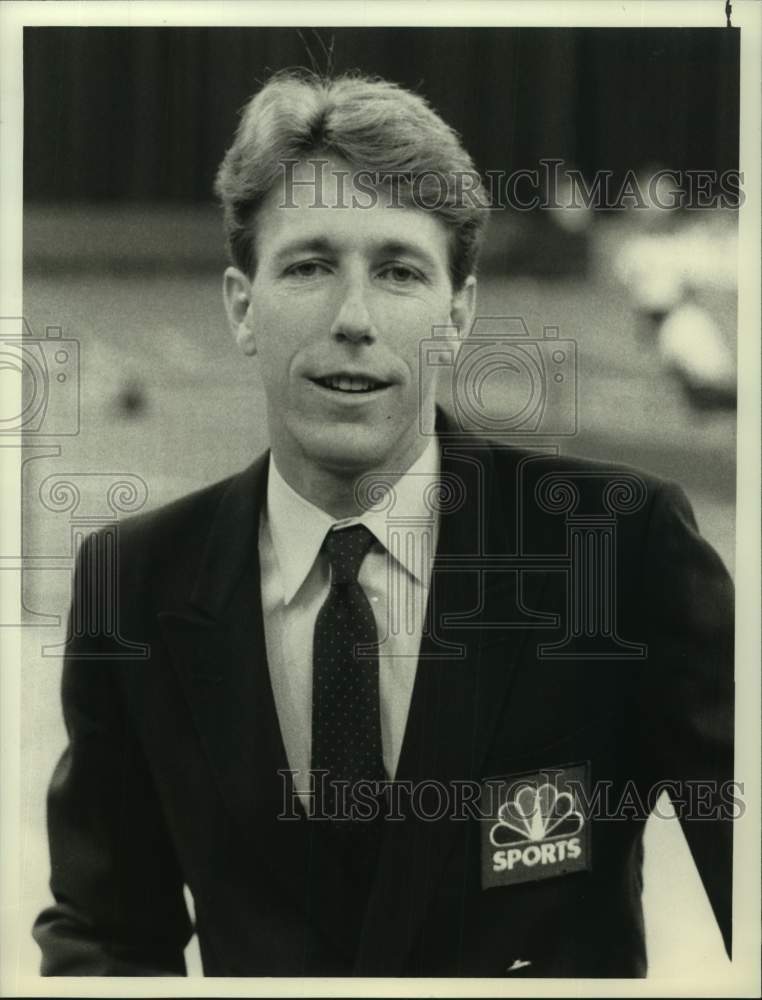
{"points": [[352, 449]]}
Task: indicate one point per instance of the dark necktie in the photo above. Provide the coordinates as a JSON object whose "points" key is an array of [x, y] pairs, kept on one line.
{"points": [[346, 742], [346, 719]]}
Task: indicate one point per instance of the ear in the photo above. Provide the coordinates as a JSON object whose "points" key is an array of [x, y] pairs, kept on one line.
{"points": [[463, 307], [236, 291]]}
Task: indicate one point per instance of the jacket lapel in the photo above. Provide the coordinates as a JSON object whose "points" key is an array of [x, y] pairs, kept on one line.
{"points": [[457, 697], [216, 640], [217, 645]]}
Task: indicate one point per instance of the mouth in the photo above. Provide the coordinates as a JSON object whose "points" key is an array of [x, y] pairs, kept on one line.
{"points": [[356, 385]]}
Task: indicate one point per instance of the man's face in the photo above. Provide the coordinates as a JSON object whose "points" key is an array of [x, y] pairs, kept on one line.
{"points": [[341, 298]]}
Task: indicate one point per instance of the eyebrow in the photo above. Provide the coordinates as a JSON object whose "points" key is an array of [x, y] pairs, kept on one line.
{"points": [[391, 248], [399, 248], [316, 245]]}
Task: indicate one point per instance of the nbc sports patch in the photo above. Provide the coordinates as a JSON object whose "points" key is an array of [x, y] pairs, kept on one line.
{"points": [[533, 825]]}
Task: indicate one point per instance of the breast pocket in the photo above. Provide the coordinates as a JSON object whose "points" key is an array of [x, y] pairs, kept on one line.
{"points": [[526, 747]]}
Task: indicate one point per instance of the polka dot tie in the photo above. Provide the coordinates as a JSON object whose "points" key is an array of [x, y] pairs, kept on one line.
{"points": [[346, 719]]}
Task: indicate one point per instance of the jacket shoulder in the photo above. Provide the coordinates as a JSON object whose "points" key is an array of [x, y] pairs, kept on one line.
{"points": [[170, 540], [180, 518], [507, 458], [527, 467]]}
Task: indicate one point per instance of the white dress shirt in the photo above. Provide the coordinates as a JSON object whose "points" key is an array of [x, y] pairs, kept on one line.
{"points": [[395, 575]]}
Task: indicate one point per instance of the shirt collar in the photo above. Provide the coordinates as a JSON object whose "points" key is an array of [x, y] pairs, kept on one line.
{"points": [[298, 527]]}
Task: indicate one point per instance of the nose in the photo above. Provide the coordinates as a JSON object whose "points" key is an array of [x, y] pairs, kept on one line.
{"points": [[353, 322]]}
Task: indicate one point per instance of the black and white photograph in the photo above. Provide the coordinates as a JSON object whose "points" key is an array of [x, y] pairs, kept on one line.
{"points": [[381, 595]]}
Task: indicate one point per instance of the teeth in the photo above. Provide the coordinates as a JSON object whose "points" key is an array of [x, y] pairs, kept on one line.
{"points": [[349, 383]]}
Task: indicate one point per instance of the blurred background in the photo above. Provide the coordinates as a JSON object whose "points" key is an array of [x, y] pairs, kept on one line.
{"points": [[124, 253]]}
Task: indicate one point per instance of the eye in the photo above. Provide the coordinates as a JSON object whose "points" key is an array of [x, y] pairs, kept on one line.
{"points": [[306, 269], [400, 274]]}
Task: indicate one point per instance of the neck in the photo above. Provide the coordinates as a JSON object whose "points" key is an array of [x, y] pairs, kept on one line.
{"points": [[332, 489]]}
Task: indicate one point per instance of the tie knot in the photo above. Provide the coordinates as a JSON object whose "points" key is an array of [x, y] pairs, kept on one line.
{"points": [[346, 548]]}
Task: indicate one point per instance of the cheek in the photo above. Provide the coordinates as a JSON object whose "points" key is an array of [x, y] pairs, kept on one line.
{"points": [[411, 328], [282, 332]]}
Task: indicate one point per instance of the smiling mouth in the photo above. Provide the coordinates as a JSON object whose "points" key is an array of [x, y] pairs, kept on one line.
{"points": [[351, 383]]}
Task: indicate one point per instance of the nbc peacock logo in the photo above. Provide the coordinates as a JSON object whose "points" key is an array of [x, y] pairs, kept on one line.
{"points": [[538, 831]]}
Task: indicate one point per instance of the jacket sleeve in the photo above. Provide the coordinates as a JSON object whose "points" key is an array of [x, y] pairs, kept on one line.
{"points": [[119, 908], [689, 692]]}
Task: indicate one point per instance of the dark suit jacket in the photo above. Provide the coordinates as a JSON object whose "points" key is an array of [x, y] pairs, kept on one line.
{"points": [[171, 772]]}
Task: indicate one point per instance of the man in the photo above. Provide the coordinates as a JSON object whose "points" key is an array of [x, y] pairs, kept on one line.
{"points": [[491, 659]]}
